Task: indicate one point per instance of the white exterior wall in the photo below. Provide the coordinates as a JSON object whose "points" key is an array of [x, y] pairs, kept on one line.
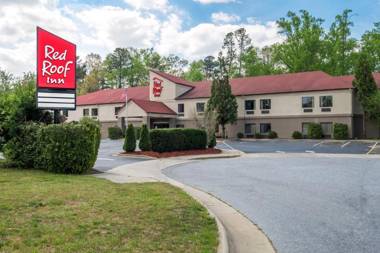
{"points": [[106, 112]]}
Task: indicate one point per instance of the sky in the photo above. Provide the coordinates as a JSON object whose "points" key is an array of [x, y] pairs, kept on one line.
{"points": [[191, 29]]}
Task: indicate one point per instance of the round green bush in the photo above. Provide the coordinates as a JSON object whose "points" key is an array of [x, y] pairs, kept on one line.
{"points": [[258, 136], [272, 135], [314, 131], [130, 139], [240, 135], [115, 133], [340, 131], [145, 144], [297, 135]]}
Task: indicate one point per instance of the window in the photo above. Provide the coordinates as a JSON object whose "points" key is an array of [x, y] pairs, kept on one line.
{"points": [[200, 107], [327, 128], [249, 106], [94, 112], [86, 112], [265, 128], [325, 101], [307, 102], [180, 126], [265, 104], [181, 110], [249, 129], [117, 110]]}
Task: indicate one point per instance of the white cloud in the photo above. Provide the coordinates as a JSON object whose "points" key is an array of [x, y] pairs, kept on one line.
{"points": [[222, 17], [161, 5], [214, 1], [100, 29]]}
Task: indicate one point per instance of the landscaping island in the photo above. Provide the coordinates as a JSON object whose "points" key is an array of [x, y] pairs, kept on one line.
{"points": [[44, 212]]}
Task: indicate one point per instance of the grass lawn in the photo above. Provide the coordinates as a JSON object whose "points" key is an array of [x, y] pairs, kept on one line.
{"points": [[41, 212]]}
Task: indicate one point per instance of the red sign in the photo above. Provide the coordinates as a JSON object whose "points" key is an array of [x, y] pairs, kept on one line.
{"points": [[157, 87], [56, 61]]}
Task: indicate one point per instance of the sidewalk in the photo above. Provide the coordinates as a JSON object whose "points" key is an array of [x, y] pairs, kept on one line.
{"points": [[237, 234]]}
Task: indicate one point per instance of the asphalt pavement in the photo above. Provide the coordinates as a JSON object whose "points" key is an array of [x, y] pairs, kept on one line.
{"points": [[107, 158], [303, 203]]}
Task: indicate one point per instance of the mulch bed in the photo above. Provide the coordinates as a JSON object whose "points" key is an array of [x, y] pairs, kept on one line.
{"points": [[208, 151]]}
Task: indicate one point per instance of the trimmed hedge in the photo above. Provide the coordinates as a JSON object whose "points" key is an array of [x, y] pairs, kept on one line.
{"points": [[212, 141], [258, 136], [240, 135], [166, 140], [138, 132], [21, 150], [70, 148], [314, 131], [297, 135], [115, 133], [272, 135], [340, 131], [145, 144], [130, 139]]}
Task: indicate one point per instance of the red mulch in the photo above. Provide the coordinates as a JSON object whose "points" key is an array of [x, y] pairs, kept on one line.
{"points": [[207, 151]]}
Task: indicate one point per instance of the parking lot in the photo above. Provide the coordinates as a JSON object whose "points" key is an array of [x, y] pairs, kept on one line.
{"points": [[303, 146]]}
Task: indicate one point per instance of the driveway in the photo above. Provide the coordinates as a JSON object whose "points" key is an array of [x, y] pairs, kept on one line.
{"points": [[303, 202], [301, 146], [106, 156]]}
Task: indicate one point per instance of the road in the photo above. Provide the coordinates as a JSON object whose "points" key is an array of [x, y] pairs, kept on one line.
{"points": [[304, 204]]}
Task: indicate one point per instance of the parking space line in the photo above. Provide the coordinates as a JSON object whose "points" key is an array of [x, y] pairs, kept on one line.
{"points": [[309, 151], [281, 152], [224, 142], [319, 143], [105, 159], [345, 144], [373, 147]]}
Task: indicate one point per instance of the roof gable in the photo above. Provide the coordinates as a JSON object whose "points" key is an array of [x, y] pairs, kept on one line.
{"points": [[153, 107], [172, 78]]}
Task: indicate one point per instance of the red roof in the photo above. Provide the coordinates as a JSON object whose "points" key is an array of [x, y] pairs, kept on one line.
{"points": [[174, 79], [282, 83], [349, 78], [113, 96], [153, 107]]}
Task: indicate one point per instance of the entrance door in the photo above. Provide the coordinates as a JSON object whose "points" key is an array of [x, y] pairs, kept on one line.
{"points": [[160, 125]]}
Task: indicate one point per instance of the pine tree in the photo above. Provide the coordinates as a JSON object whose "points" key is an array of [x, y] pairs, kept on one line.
{"points": [[130, 139], [145, 143]]}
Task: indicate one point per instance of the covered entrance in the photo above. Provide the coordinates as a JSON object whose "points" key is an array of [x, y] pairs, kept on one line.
{"points": [[158, 123]]}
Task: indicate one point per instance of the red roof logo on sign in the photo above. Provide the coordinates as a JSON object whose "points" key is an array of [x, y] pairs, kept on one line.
{"points": [[157, 87], [56, 60]]}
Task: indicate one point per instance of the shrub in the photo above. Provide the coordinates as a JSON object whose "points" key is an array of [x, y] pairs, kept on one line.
{"points": [[138, 132], [212, 141], [166, 140], [130, 139], [21, 150], [272, 135], [115, 133], [297, 135], [145, 144], [240, 135], [314, 131], [94, 127], [258, 136], [340, 131]]}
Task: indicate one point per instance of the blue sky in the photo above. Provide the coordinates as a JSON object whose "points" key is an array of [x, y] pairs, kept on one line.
{"points": [[191, 29]]}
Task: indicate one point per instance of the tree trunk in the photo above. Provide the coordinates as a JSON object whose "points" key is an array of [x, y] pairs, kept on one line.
{"points": [[223, 131], [364, 126]]}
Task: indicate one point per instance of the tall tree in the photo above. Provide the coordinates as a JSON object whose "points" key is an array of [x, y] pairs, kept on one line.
{"points": [[243, 43], [222, 101], [340, 48], [174, 64], [371, 45], [6, 80], [116, 65], [366, 88], [80, 71], [301, 50], [209, 65], [94, 79], [195, 73], [229, 48], [258, 62]]}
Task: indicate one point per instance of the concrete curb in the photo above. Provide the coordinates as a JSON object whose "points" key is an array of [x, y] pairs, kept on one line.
{"points": [[237, 234]]}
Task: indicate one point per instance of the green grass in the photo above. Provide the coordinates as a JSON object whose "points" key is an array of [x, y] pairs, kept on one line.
{"points": [[41, 212]]}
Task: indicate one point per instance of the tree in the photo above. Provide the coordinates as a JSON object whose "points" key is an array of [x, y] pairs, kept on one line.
{"points": [[209, 65], [258, 62], [366, 88], [230, 52], [222, 101], [339, 46], [145, 143], [6, 80], [130, 139], [301, 50], [116, 65], [243, 44], [195, 73], [80, 71], [371, 45], [95, 77]]}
